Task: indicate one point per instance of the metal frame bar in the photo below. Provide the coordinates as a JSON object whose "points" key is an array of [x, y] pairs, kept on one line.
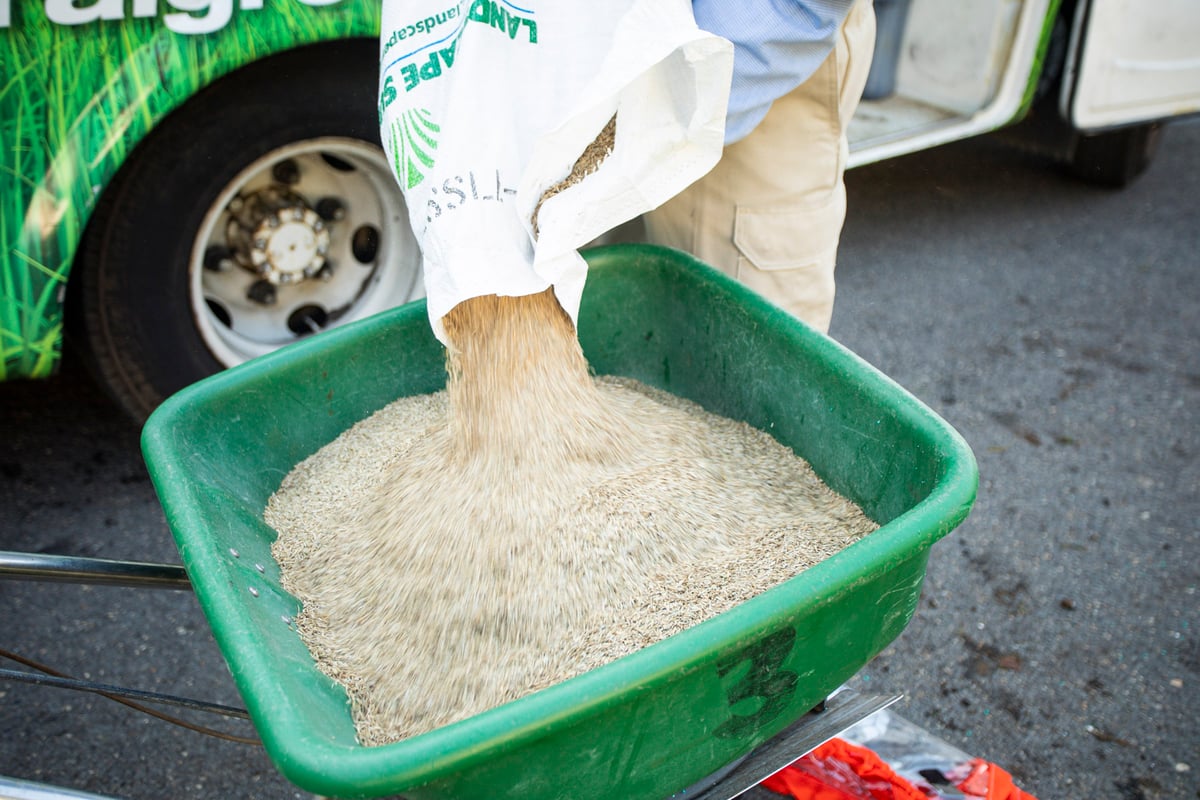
{"points": [[838, 713], [98, 571]]}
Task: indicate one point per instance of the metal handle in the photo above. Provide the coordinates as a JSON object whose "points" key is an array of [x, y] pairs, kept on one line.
{"points": [[16, 789], [99, 571]]}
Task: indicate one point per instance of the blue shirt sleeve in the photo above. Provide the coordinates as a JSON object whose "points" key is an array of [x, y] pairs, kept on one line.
{"points": [[778, 45]]}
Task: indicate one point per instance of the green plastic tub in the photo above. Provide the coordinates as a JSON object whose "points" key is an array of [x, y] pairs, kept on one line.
{"points": [[656, 721]]}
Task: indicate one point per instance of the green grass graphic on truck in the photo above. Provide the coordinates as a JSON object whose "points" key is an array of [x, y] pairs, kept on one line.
{"points": [[80, 85]]}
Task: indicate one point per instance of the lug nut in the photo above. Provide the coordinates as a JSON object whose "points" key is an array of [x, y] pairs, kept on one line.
{"points": [[215, 257], [261, 292], [286, 172], [331, 209]]}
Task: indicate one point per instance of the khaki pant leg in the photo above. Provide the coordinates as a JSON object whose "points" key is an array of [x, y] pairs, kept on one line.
{"points": [[771, 212]]}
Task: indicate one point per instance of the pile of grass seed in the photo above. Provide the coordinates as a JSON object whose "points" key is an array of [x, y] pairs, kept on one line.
{"points": [[458, 550]]}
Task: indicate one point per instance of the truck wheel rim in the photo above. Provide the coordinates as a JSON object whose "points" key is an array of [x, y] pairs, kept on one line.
{"points": [[307, 237]]}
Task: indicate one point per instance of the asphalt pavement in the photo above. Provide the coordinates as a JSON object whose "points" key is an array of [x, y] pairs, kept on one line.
{"points": [[1053, 324]]}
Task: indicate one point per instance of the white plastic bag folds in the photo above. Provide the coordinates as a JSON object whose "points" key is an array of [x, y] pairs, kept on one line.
{"points": [[485, 104]]}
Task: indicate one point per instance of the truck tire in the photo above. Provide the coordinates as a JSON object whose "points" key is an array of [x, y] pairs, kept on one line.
{"points": [[261, 211], [1115, 158]]}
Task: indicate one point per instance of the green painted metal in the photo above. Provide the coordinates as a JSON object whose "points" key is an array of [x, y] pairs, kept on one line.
{"points": [[75, 99], [646, 725], [1039, 62]]}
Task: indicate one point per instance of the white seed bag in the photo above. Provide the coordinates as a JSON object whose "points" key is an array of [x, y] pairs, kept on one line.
{"points": [[485, 104]]}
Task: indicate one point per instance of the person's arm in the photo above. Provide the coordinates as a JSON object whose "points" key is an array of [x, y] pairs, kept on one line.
{"points": [[778, 44]]}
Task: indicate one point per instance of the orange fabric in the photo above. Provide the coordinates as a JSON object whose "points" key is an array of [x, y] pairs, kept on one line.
{"points": [[990, 781], [838, 770]]}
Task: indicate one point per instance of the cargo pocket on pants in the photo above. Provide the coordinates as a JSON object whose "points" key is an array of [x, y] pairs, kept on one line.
{"points": [[788, 253]]}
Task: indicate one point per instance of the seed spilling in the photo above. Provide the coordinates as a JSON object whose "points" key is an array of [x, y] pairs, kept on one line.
{"points": [[461, 549]]}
